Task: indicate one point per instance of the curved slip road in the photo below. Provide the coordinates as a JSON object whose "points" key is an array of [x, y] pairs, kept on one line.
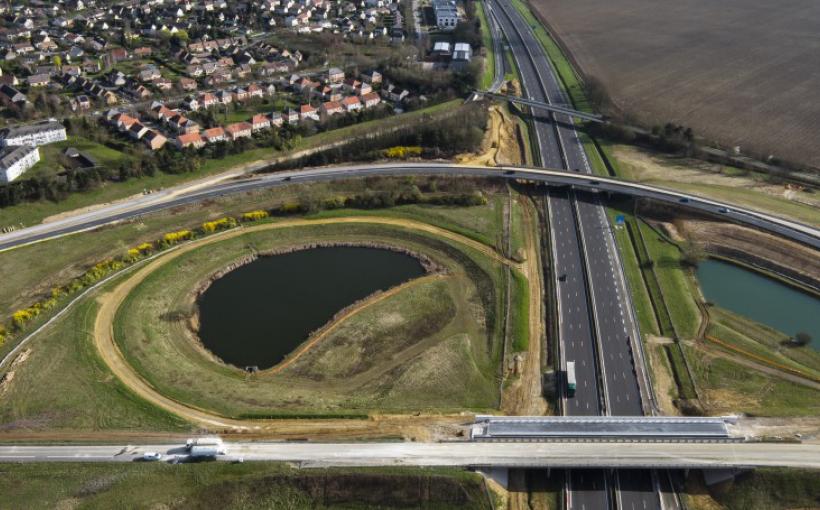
{"points": [[147, 204]]}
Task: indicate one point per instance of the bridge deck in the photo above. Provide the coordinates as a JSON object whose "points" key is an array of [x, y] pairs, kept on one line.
{"points": [[648, 428]]}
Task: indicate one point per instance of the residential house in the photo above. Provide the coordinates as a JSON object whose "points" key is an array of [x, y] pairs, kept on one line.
{"points": [[12, 97], [331, 108], [213, 135], [370, 100], [38, 80], [194, 140], [154, 140], [292, 116], [259, 122], [307, 111], [276, 119], [187, 84], [137, 130], [239, 130], [351, 104], [335, 75]]}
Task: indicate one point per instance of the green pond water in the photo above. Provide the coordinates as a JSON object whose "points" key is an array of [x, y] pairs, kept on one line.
{"points": [[760, 298], [258, 313]]}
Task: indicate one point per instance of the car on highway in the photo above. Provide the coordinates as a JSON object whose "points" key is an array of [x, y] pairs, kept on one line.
{"points": [[684, 200], [151, 456], [724, 210]]}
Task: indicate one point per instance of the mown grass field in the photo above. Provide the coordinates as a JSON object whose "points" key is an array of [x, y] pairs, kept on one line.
{"points": [[258, 485], [63, 356], [712, 66], [400, 354]]}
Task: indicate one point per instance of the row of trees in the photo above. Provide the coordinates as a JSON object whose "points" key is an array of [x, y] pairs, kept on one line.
{"points": [[438, 138]]}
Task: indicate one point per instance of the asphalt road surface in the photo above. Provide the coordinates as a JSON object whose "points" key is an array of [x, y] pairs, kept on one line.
{"points": [[518, 455]]}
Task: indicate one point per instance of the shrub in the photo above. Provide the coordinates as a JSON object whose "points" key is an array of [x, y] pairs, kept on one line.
{"points": [[175, 237], [220, 224], [21, 317], [255, 215], [402, 152]]}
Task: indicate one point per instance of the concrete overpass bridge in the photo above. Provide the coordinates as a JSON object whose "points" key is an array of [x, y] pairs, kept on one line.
{"points": [[560, 455], [541, 105]]}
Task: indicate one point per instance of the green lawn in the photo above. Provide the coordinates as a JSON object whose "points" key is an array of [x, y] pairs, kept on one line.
{"points": [[63, 385], [674, 280], [49, 163], [726, 388], [252, 485], [770, 489]]}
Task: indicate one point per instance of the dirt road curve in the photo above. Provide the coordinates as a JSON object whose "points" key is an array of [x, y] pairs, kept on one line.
{"points": [[378, 426]]}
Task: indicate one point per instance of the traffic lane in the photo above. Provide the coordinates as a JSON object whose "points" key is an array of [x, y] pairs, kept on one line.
{"points": [[636, 490], [587, 489], [575, 329], [611, 302]]}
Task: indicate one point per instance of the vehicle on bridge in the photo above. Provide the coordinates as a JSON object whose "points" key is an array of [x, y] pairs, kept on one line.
{"points": [[571, 379]]}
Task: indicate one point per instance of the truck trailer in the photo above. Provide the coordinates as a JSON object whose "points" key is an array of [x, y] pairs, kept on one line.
{"points": [[570, 378]]}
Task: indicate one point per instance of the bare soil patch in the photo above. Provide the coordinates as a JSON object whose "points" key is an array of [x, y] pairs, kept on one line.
{"points": [[742, 72]]}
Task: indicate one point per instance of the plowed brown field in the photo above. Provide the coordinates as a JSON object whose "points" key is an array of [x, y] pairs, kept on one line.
{"points": [[741, 72]]}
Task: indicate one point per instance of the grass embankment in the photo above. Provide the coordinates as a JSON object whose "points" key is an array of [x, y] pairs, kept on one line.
{"points": [[428, 336], [61, 358], [487, 40], [34, 212], [762, 343], [64, 385], [762, 489], [234, 486], [31, 271]]}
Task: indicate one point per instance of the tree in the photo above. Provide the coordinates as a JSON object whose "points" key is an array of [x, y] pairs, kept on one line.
{"points": [[802, 338]]}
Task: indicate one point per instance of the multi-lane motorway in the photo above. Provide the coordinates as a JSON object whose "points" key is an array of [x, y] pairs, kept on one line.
{"points": [[465, 454], [596, 326]]}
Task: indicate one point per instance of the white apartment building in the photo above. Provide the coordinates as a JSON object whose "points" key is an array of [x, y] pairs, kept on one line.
{"points": [[15, 160], [33, 134]]}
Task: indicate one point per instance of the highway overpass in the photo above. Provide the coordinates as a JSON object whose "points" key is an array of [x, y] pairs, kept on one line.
{"points": [[146, 204], [542, 105], [570, 455]]}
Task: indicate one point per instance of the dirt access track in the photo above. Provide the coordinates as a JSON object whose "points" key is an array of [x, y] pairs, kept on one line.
{"points": [[740, 72], [421, 427]]}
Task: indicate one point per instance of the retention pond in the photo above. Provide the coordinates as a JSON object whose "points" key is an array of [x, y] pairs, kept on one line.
{"points": [[760, 298], [258, 313]]}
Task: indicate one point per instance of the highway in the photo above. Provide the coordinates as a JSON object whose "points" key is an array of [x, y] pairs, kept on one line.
{"points": [[594, 307], [460, 454]]}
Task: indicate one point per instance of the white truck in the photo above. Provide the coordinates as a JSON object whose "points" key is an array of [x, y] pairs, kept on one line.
{"points": [[205, 447]]}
